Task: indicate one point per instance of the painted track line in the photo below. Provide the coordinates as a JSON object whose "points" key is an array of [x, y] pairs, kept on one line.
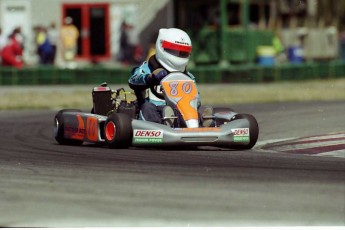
{"points": [[332, 144]]}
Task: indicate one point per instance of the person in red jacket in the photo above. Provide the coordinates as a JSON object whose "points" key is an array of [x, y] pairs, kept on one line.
{"points": [[12, 52]]}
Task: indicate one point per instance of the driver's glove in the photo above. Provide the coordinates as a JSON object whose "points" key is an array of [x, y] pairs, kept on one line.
{"points": [[156, 76]]}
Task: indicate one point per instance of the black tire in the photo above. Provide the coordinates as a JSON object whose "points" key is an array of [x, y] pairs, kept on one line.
{"points": [[253, 127], [118, 131], [59, 129]]}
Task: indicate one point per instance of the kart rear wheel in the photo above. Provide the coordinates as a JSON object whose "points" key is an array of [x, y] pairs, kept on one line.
{"points": [[118, 130], [59, 129], [253, 130]]}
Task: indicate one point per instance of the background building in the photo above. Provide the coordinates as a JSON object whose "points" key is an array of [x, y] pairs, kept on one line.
{"points": [[99, 22], [223, 31], [232, 30]]}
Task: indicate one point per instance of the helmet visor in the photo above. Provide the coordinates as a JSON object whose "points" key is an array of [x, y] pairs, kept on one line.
{"points": [[177, 50]]}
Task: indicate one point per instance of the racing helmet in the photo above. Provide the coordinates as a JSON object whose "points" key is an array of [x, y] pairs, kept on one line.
{"points": [[173, 49]]}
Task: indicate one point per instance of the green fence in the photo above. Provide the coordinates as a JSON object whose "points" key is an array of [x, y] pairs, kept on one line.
{"points": [[52, 76], [205, 74], [240, 45]]}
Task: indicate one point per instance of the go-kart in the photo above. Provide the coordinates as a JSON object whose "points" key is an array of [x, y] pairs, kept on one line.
{"points": [[114, 121]]}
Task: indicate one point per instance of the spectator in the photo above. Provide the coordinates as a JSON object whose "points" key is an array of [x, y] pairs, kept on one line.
{"points": [[2, 40], [130, 50], [44, 47], [12, 52], [135, 49], [37, 39], [69, 38], [53, 37], [125, 49], [342, 44], [280, 55], [19, 36]]}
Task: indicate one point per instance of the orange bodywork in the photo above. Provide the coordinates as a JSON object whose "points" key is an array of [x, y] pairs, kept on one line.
{"points": [[90, 132], [92, 128], [80, 132], [183, 92]]}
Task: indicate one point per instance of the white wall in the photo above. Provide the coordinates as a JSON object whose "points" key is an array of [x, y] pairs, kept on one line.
{"points": [[16, 13]]}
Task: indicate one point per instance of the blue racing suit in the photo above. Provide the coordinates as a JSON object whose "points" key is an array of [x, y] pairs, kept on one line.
{"points": [[150, 107]]}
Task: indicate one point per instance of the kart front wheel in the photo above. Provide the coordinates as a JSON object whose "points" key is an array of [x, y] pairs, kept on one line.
{"points": [[253, 130], [118, 130]]}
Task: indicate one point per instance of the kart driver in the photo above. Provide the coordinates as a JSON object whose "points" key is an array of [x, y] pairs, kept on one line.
{"points": [[173, 49]]}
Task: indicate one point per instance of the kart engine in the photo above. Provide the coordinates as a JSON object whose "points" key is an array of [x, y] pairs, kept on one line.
{"points": [[102, 100], [124, 104]]}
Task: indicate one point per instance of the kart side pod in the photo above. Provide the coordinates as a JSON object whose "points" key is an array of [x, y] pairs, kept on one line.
{"points": [[240, 133]]}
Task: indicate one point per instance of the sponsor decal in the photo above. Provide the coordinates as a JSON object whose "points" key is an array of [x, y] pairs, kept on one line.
{"points": [[84, 131], [241, 134], [74, 131], [147, 136]]}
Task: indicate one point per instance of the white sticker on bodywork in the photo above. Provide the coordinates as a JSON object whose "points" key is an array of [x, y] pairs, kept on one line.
{"points": [[241, 134], [147, 136]]}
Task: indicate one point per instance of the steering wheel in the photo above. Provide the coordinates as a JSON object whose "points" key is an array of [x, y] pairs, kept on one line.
{"points": [[155, 92]]}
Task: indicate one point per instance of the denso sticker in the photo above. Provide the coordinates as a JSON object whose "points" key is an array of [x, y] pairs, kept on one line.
{"points": [[241, 134], [147, 136]]}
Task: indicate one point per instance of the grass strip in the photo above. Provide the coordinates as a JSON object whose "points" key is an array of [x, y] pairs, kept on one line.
{"points": [[58, 97]]}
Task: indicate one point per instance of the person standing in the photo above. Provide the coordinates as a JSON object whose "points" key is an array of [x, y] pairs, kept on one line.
{"points": [[12, 52], [19, 36], [45, 48], [2, 40], [69, 39], [53, 37], [124, 52]]}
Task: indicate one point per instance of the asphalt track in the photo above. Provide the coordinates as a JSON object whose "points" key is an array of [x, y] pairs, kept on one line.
{"points": [[43, 184]]}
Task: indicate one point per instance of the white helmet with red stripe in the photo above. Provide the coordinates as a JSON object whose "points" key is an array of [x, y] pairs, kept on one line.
{"points": [[173, 48]]}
